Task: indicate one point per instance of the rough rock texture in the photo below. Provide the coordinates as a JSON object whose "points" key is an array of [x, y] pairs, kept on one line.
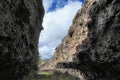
{"points": [[98, 57], [73, 72], [76, 35], [20, 25]]}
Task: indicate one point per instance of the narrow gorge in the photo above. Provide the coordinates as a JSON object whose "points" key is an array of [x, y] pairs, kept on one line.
{"points": [[90, 50]]}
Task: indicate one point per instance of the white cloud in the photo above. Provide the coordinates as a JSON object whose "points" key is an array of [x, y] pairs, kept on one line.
{"points": [[56, 25], [47, 4], [46, 52]]}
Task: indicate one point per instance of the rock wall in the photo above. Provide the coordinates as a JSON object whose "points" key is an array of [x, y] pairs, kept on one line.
{"points": [[20, 25], [98, 57]]}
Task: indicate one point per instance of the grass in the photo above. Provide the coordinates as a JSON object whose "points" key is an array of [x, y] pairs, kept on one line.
{"points": [[45, 74]]}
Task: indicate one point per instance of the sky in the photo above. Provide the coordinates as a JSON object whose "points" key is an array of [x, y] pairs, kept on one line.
{"points": [[56, 22]]}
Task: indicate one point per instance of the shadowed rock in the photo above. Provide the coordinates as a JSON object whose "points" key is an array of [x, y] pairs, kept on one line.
{"points": [[20, 25]]}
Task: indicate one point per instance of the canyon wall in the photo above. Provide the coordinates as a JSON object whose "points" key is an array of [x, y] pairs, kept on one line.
{"points": [[20, 25], [93, 42], [98, 57]]}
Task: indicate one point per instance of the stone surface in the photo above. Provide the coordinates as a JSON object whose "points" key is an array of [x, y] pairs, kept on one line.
{"points": [[72, 72], [20, 25], [98, 58], [99, 55]]}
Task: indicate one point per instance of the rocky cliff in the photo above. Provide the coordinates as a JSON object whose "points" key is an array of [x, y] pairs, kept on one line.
{"points": [[98, 57], [20, 25], [94, 39]]}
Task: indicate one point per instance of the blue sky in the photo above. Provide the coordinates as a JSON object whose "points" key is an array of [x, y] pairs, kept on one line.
{"points": [[60, 4], [56, 22]]}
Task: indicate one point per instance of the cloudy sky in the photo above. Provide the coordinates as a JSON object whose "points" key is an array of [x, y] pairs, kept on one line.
{"points": [[57, 20]]}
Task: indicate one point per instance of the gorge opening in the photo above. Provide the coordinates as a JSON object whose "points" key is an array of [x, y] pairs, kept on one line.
{"points": [[56, 22]]}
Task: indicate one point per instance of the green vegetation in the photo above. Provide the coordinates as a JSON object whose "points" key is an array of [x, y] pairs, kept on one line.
{"points": [[40, 61], [45, 74]]}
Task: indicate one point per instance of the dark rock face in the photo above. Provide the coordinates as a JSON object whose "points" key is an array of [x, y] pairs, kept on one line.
{"points": [[99, 55], [98, 58], [20, 25]]}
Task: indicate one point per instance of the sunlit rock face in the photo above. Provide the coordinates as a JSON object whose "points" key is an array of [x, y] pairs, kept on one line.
{"points": [[76, 35], [98, 57], [20, 25]]}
